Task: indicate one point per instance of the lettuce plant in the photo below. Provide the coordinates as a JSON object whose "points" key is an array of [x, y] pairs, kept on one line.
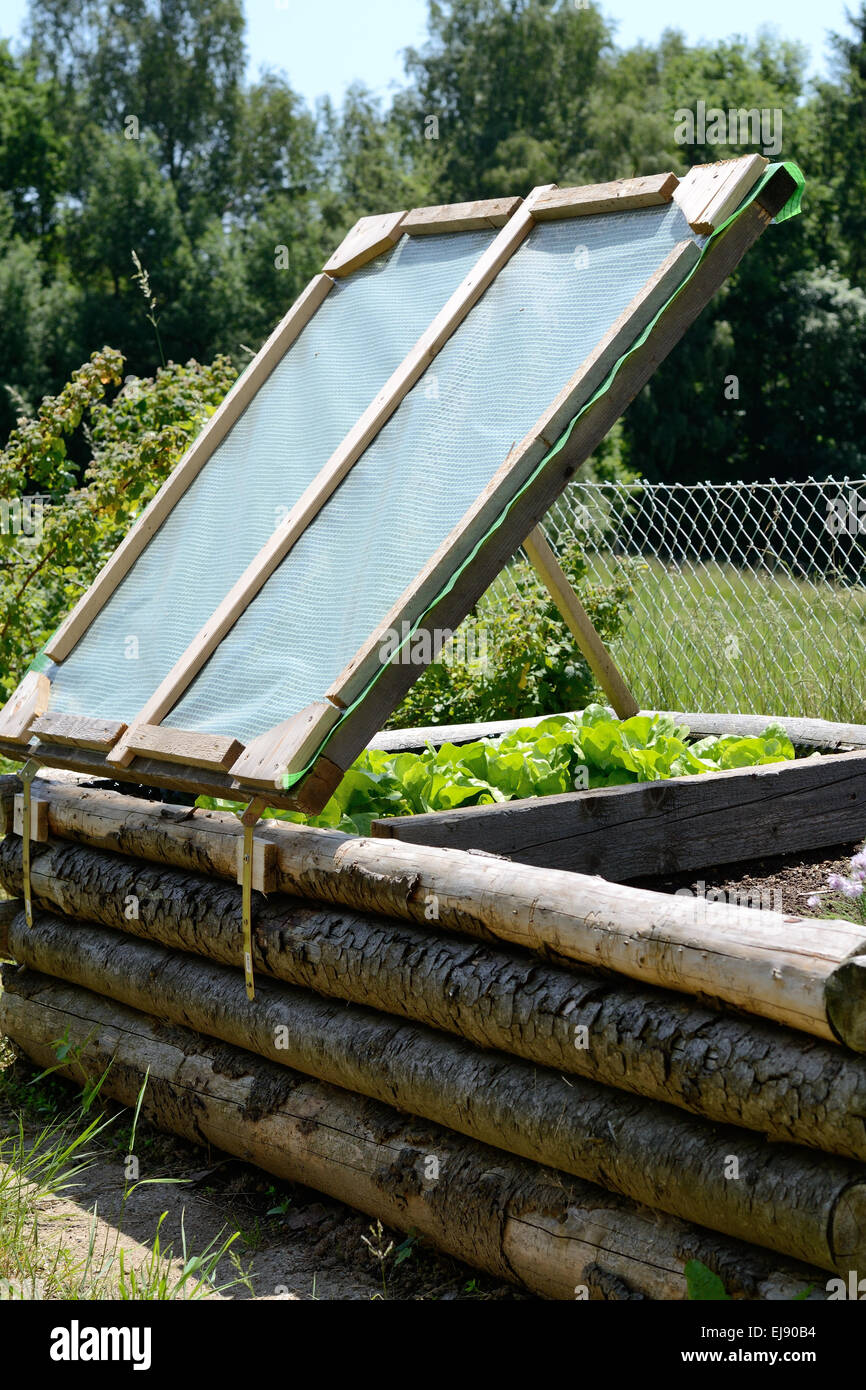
{"points": [[561, 754]]}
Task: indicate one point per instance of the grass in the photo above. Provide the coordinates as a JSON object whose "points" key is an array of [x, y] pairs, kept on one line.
{"points": [[710, 636], [42, 1160]]}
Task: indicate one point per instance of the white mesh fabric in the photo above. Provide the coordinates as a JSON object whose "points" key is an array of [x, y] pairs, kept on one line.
{"points": [[356, 339], [549, 306]]}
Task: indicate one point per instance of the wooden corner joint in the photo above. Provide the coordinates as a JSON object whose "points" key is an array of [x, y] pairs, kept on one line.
{"points": [[369, 238], [25, 704], [709, 193], [286, 748]]}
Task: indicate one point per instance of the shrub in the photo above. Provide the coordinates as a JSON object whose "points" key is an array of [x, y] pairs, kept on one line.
{"points": [[133, 438]]}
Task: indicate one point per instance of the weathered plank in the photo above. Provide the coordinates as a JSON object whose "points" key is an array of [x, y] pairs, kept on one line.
{"points": [[77, 730], [663, 827], [459, 217], [618, 196], [148, 771], [184, 746], [803, 733]]}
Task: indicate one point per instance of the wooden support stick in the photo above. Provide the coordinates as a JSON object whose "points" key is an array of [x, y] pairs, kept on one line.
{"points": [[579, 623]]}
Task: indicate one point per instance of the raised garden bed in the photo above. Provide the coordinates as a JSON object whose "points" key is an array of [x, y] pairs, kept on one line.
{"points": [[664, 827]]}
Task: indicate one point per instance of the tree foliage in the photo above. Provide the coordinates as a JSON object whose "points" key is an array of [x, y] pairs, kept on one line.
{"points": [[52, 549], [129, 126]]}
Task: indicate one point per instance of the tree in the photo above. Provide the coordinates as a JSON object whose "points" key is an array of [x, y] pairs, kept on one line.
{"points": [[840, 146], [509, 83], [171, 67]]}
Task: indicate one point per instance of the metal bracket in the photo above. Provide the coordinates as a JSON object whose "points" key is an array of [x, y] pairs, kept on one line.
{"points": [[248, 820], [27, 773]]}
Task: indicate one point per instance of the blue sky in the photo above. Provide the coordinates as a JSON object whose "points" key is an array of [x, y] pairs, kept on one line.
{"points": [[323, 47]]}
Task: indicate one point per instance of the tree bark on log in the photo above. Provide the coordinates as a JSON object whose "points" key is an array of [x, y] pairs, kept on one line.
{"points": [[807, 1206], [735, 1070], [767, 964], [518, 1221]]}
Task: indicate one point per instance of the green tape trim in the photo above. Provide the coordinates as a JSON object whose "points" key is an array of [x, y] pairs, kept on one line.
{"points": [[40, 662], [790, 209]]}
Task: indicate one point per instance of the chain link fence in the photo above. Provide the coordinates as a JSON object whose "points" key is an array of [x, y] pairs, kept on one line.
{"points": [[747, 597]]}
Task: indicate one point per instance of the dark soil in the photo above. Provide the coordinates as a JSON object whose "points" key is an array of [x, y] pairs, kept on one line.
{"points": [[780, 883]]}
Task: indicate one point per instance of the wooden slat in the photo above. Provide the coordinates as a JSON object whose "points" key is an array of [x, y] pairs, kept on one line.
{"points": [[653, 828], [516, 468], [188, 468], [579, 624], [355, 731], [184, 746], [23, 706], [369, 237], [310, 503], [459, 217], [77, 730], [709, 193], [147, 771], [619, 196]]}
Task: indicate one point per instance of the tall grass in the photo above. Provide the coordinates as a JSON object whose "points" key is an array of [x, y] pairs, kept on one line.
{"points": [[709, 636], [36, 1169]]}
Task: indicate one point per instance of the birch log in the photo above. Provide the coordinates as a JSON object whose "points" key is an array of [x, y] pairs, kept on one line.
{"points": [[560, 1237], [735, 1070], [807, 1206], [763, 962]]}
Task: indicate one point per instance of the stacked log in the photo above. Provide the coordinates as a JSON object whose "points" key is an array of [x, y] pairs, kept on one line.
{"points": [[565, 1128]]}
